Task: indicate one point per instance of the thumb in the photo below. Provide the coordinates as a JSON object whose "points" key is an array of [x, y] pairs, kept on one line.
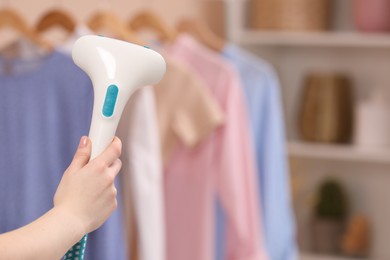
{"points": [[82, 155]]}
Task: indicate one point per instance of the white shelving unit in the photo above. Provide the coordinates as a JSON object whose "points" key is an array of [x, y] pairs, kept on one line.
{"points": [[366, 59], [347, 153], [317, 39], [315, 257]]}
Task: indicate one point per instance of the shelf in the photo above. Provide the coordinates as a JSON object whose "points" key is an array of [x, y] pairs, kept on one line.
{"points": [[318, 257], [338, 152], [314, 39]]}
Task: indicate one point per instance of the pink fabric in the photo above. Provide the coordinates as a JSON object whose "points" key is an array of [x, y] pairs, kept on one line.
{"points": [[222, 165]]}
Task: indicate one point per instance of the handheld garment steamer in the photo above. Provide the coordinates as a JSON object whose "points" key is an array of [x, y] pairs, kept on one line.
{"points": [[117, 69]]}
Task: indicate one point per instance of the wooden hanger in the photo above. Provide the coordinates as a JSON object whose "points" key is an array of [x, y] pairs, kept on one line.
{"points": [[11, 19], [150, 20], [202, 33], [56, 17], [109, 21]]}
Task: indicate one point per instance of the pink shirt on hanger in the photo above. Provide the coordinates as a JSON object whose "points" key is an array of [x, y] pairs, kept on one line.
{"points": [[222, 165]]}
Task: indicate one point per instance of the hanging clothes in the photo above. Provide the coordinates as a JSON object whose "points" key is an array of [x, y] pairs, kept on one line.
{"points": [[47, 107], [141, 177], [262, 90], [222, 164], [187, 114], [187, 111]]}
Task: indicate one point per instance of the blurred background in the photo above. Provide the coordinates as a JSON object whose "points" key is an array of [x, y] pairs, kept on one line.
{"points": [[332, 60]]}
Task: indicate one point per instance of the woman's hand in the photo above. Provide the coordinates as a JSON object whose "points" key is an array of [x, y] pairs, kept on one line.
{"points": [[87, 192], [85, 198]]}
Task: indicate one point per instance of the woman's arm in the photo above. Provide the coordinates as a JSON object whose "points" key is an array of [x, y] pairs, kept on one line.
{"points": [[49, 237], [85, 198]]}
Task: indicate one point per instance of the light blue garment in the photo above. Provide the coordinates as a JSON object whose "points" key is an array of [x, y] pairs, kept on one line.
{"points": [[262, 91], [45, 107]]}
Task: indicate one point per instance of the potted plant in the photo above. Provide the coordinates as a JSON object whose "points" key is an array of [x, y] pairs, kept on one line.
{"points": [[329, 217]]}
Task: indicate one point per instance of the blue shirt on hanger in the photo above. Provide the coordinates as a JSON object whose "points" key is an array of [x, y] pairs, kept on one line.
{"points": [[262, 91], [45, 107]]}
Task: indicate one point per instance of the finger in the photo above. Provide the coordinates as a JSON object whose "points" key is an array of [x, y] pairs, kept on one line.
{"points": [[115, 167], [112, 152], [82, 155]]}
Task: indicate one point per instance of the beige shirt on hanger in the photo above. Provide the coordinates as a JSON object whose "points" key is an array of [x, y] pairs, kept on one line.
{"points": [[186, 109]]}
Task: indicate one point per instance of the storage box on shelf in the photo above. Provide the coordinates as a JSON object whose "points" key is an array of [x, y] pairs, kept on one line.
{"points": [[346, 36], [290, 15]]}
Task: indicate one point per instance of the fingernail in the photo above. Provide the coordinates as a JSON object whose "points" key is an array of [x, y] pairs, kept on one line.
{"points": [[83, 142]]}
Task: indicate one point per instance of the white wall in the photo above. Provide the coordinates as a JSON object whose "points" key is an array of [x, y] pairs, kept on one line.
{"points": [[171, 10]]}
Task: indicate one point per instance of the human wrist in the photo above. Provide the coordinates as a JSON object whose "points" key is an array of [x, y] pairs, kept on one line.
{"points": [[68, 218]]}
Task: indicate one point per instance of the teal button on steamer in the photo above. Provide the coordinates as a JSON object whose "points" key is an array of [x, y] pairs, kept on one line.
{"points": [[110, 100], [117, 69]]}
